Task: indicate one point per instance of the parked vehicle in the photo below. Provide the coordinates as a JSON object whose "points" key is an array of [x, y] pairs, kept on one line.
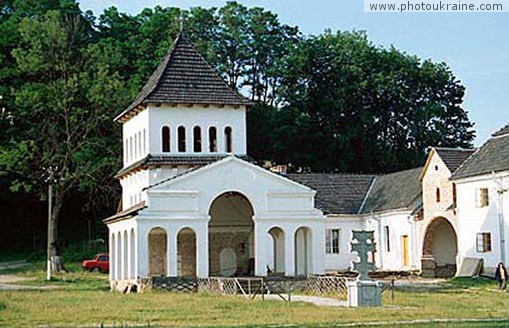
{"points": [[101, 262]]}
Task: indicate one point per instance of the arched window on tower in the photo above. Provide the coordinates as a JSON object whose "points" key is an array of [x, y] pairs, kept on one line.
{"points": [[212, 139], [182, 139], [197, 139], [228, 139], [438, 195], [165, 139]]}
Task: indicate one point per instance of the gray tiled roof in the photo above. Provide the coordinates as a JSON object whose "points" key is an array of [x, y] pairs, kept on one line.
{"points": [[336, 193], [127, 213], [493, 156], [184, 77], [394, 191], [453, 157], [502, 131], [174, 160]]}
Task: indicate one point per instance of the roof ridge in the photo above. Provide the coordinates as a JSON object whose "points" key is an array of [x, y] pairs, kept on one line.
{"points": [[336, 173], [361, 208], [455, 148], [468, 159], [401, 171]]}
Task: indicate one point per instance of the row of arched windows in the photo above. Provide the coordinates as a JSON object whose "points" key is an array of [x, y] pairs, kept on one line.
{"points": [[197, 139], [135, 146]]}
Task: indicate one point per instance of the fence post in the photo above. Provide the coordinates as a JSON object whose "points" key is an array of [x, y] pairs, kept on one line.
{"points": [[263, 291]]}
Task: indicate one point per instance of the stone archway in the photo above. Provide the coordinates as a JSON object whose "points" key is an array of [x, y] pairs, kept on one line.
{"points": [[439, 249], [303, 251], [186, 253], [277, 252], [231, 226], [157, 252]]}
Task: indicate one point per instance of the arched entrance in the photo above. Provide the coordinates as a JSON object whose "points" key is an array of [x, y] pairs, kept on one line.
{"points": [[231, 226], [439, 250], [303, 251], [157, 252], [276, 261], [186, 253]]}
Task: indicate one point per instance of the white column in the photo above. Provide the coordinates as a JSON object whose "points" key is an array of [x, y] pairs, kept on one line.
{"points": [[171, 261], [122, 255], [142, 252], [260, 241], [129, 250], [135, 253], [289, 251], [202, 250], [174, 136], [118, 257], [318, 248], [205, 139], [112, 256], [221, 140]]}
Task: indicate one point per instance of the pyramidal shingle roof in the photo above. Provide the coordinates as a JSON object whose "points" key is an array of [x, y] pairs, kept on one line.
{"points": [[184, 77]]}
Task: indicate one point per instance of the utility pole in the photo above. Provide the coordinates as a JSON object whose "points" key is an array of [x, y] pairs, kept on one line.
{"points": [[501, 191], [50, 179], [50, 198]]}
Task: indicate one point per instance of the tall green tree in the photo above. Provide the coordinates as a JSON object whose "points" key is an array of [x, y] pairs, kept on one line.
{"points": [[353, 106], [62, 118]]}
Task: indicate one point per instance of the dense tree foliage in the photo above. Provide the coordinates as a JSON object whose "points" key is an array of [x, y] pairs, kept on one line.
{"points": [[331, 102]]}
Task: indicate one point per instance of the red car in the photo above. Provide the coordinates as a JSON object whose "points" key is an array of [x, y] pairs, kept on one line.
{"points": [[101, 263]]}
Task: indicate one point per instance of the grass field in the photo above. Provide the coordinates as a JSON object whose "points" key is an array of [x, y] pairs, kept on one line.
{"points": [[83, 299]]}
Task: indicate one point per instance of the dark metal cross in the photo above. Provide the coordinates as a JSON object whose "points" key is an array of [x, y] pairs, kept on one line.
{"points": [[365, 244]]}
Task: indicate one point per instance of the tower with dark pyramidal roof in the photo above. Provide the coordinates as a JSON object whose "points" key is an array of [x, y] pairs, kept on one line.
{"points": [[185, 116]]}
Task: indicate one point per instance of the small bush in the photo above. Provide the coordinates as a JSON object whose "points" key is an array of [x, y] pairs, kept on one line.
{"points": [[2, 306]]}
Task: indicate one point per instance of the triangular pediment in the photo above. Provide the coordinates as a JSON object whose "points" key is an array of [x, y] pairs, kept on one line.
{"points": [[233, 173]]}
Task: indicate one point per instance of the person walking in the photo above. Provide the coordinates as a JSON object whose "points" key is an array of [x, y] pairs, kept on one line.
{"points": [[501, 276]]}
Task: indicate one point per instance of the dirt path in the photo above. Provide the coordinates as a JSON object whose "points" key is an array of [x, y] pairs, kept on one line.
{"points": [[316, 300], [8, 281], [12, 264]]}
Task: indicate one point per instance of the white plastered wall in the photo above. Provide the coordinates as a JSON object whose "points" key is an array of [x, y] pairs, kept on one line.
{"points": [[472, 219], [204, 117], [277, 202]]}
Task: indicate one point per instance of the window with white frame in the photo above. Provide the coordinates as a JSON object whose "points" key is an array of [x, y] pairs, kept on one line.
{"points": [[332, 241], [483, 242]]}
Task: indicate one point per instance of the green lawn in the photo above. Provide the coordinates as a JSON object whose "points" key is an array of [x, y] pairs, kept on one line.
{"points": [[83, 298]]}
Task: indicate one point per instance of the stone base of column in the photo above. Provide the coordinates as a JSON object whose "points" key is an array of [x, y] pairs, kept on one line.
{"points": [[364, 293]]}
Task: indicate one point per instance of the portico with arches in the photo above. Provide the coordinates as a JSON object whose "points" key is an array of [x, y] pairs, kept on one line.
{"points": [[193, 203]]}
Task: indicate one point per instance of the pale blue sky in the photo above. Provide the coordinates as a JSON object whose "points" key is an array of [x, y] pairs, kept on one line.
{"points": [[475, 45]]}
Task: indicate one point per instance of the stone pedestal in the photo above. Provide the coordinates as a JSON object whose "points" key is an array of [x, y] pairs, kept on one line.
{"points": [[364, 293]]}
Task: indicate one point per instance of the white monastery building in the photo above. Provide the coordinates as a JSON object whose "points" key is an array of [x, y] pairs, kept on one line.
{"points": [[194, 204]]}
